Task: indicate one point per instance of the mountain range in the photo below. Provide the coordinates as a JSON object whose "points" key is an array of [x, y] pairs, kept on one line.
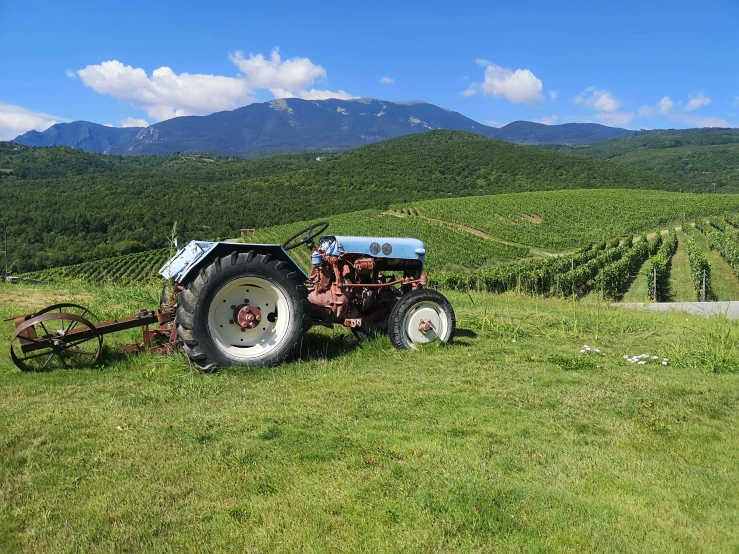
{"points": [[295, 125]]}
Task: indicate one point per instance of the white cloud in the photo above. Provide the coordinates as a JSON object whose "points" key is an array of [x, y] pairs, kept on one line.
{"points": [[553, 95], [699, 121], [387, 81], [697, 101], [665, 105], [646, 111], [71, 74], [600, 100], [520, 86], [493, 123], [132, 122], [549, 120], [285, 79], [614, 118], [16, 120], [165, 94], [469, 91], [483, 63]]}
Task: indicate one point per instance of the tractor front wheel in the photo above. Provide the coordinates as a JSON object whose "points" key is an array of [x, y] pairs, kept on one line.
{"points": [[420, 317], [243, 309]]}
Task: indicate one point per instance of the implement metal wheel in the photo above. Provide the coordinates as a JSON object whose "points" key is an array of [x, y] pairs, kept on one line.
{"points": [[59, 336]]}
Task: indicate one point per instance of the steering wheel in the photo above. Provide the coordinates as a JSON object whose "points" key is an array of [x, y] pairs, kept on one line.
{"points": [[309, 233]]}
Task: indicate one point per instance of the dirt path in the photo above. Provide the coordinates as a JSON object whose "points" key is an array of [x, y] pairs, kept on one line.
{"points": [[730, 309], [482, 234]]}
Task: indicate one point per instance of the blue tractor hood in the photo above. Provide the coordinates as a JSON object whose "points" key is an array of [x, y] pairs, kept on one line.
{"points": [[378, 247]]}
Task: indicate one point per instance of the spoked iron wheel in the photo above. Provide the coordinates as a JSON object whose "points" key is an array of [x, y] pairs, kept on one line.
{"points": [[60, 336]]}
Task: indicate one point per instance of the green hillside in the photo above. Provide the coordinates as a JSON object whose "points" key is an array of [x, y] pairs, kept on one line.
{"points": [[63, 206], [707, 158], [506, 241]]}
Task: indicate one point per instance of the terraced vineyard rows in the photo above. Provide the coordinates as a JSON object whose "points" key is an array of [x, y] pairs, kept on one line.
{"points": [[607, 271], [660, 264], [563, 219], [447, 246], [724, 238], [140, 267], [700, 268]]}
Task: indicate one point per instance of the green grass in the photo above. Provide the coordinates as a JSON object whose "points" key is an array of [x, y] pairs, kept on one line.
{"points": [[638, 291], [681, 282], [723, 281], [509, 440]]}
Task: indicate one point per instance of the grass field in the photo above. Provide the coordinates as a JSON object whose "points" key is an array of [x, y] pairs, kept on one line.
{"points": [[508, 440]]}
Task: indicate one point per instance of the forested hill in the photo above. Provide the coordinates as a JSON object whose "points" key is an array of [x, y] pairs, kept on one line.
{"points": [[64, 206], [708, 158]]}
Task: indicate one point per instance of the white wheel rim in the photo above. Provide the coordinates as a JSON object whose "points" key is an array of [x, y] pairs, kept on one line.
{"points": [[422, 312], [248, 344]]}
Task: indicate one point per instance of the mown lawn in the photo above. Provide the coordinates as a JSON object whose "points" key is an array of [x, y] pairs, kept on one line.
{"points": [[509, 440]]}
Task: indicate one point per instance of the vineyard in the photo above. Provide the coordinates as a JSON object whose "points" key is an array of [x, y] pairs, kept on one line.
{"points": [[658, 268], [723, 237], [140, 267], [566, 219], [470, 242], [447, 245]]}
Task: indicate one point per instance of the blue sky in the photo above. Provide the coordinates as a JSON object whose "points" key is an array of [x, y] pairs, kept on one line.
{"points": [[634, 64]]}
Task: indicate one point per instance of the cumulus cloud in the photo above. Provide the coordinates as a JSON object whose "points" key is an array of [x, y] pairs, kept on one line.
{"points": [[549, 120], [165, 94], [387, 81], [285, 79], [614, 118], [607, 106], [600, 100], [665, 105], [697, 101], [132, 122], [699, 121], [520, 86], [16, 120], [553, 95]]}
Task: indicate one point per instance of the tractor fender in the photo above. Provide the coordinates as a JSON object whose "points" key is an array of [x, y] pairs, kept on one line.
{"points": [[184, 265]]}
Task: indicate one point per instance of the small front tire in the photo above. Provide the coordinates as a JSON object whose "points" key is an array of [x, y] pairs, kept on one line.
{"points": [[421, 317]]}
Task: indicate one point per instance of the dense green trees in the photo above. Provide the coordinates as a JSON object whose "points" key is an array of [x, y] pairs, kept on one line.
{"points": [[62, 204]]}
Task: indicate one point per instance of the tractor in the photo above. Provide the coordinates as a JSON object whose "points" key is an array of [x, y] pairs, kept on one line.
{"points": [[252, 304]]}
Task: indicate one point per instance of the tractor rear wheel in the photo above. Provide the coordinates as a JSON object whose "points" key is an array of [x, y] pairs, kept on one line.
{"points": [[420, 317], [243, 309]]}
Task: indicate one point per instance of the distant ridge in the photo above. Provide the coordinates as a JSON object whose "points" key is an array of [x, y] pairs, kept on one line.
{"points": [[295, 125], [90, 137]]}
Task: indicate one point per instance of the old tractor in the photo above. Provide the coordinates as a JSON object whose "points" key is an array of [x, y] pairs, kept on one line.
{"points": [[252, 304]]}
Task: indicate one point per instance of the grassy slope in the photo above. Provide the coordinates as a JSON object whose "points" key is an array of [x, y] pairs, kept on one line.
{"points": [[487, 445]]}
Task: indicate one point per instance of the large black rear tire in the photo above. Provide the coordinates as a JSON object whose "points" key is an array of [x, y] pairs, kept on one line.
{"points": [[416, 307], [205, 313]]}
